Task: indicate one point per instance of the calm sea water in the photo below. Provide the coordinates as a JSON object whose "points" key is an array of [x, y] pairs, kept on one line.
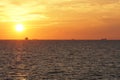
{"points": [[59, 60]]}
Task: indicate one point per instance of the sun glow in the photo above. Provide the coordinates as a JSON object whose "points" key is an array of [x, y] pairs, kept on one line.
{"points": [[19, 28]]}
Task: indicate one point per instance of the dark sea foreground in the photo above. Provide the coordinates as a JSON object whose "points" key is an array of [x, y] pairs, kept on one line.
{"points": [[59, 60]]}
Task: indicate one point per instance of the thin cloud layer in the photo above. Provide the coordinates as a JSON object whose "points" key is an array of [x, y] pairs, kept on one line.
{"points": [[58, 10], [19, 10]]}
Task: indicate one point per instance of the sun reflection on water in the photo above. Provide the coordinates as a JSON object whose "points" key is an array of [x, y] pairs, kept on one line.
{"points": [[17, 67]]}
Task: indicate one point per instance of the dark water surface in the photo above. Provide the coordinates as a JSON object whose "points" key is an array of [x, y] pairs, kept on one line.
{"points": [[59, 60]]}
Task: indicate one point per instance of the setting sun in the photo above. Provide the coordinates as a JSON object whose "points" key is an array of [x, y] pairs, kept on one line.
{"points": [[19, 28]]}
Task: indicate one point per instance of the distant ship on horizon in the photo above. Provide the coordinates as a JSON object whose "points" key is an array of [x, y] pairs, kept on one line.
{"points": [[103, 39], [26, 38]]}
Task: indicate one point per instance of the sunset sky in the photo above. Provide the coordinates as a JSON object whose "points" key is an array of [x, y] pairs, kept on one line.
{"points": [[60, 19]]}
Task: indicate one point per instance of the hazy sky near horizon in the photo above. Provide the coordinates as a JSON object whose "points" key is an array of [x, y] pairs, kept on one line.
{"points": [[60, 19]]}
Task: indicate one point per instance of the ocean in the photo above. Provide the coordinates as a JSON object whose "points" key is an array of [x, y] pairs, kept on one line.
{"points": [[59, 60]]}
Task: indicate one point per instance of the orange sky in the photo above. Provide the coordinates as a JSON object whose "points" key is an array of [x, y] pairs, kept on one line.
{"points": [[60, 19]]}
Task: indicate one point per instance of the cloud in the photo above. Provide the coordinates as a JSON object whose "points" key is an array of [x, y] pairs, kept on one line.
{"points": [[105, 2], [19, 10]]}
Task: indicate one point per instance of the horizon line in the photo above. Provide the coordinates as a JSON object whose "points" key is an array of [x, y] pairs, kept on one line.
{"points": [[61, 39]]}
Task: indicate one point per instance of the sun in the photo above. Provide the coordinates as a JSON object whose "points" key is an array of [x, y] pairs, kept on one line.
{"points": [[19, 28]]}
